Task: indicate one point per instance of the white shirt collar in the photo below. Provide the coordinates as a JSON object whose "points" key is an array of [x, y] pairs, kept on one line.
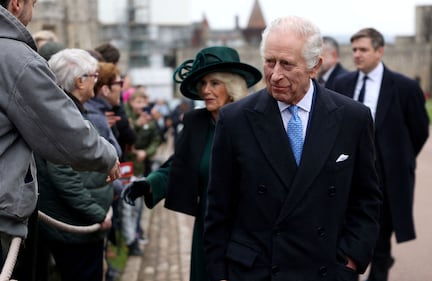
{"points": [[375, 74], [305, 103]]}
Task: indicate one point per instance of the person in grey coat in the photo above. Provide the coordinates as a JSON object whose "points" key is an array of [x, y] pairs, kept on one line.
{"points": [[36, 116]]}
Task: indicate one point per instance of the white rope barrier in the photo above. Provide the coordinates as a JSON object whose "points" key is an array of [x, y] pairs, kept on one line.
{"points": [[16, 241], [71, 228], [11, 259]]}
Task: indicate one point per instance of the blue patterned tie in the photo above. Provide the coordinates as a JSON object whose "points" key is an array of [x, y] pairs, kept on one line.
{"points": [[295, 133]]}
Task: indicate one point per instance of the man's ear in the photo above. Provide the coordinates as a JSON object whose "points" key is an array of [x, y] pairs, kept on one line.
{"points": [[380, 50], [316, 68], [15, 7], [105, 90]]}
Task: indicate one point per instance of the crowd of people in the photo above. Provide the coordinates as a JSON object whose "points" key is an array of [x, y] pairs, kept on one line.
{"points": [[81, 86], [305, 179], [137, 127]]}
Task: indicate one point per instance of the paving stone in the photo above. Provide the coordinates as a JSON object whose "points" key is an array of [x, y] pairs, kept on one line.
{"points": [[167, 255]]}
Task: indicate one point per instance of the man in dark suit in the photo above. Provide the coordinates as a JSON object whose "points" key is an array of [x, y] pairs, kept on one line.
{"points": [[330, 67], [292, 204], [401, 128]]}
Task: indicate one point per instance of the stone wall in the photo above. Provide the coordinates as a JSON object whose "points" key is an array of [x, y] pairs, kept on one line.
{"points": [[412, 60], [76, 25], [75, 22]]}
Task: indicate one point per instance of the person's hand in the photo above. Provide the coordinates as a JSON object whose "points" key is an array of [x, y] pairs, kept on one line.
{"points": [[114, 173], [141, 155], [107, 223], [142, 119], [351, 264], [111, 118], [136, 189]]}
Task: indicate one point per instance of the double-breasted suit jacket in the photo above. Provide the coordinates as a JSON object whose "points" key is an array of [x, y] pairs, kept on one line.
{"points": [[401, 129], [268, 219]]}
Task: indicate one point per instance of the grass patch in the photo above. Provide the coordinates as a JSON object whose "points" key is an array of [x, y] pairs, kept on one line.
{"points": [[118, 254], [429, 108]]}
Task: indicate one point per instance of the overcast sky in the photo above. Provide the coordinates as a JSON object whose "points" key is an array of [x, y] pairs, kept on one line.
{"points": [[334, 17]]}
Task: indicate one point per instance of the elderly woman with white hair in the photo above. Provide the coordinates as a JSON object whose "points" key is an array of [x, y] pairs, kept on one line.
{"points": [[76, 73], [76, 198]]}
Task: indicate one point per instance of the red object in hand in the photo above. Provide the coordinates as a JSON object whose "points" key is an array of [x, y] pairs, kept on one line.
{"points": [[126, 171]]}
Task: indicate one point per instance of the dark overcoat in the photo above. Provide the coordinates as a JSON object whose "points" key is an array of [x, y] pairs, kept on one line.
{"points": [[268, 219], [338, 70], [401, 129]]}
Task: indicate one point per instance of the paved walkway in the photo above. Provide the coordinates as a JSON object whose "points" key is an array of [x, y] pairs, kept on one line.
{"points": [[166, 257], [414, 258]]}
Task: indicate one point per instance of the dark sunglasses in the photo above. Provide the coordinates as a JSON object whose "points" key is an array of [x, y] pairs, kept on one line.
{"points": [[119, 82]]}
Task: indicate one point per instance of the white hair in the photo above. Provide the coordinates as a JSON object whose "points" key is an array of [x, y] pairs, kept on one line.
{"points": [[235, 84], [302, 28], [69, 64]]}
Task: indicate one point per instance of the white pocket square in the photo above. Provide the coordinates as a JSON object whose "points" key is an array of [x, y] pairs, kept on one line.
{"points": [[342, 157]]}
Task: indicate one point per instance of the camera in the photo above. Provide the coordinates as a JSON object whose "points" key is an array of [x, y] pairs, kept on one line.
{"points": [[147, 109]]}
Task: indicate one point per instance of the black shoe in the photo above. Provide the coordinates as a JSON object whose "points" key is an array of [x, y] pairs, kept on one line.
{"points": [[134, 249], [142, 240], [112, 274]]}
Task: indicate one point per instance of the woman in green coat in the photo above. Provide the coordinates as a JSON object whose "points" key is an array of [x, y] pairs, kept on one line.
{"points": [[217, 77]]}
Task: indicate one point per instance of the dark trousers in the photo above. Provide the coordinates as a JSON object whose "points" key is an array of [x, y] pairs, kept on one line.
{"points": [[74, 262], [43, 260], [79, 262], [382, 259], [25, 267]]}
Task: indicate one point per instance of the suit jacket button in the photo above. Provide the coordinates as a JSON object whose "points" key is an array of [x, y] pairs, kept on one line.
{"points": [[331, 191], [321, 231], [323, 271], [262, 189]]}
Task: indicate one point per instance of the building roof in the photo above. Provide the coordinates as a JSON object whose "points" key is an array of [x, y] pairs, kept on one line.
{"points": [[256, 19]]}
